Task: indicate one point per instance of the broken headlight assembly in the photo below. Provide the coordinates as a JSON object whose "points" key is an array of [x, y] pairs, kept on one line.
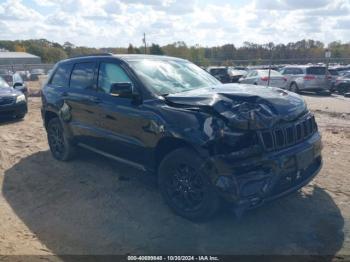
{"points": [[225, 139]]}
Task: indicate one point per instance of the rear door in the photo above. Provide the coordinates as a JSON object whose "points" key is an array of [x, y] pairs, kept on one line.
{"points": [[82, 102], [317, 78]]}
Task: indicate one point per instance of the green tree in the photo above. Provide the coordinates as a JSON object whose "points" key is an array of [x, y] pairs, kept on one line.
{"points": [[131, 49], [156, 50]]}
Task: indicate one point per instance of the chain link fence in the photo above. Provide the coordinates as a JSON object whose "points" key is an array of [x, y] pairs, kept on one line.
{"points": [[26, 67]]}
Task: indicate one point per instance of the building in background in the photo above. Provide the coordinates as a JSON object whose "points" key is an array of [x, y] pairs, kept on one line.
{"points": [[18, 58]]}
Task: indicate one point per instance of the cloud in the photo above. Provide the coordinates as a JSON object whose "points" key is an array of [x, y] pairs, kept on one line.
{"points": [[343, 24], [14, 10], [120, 22], [291, 4]]}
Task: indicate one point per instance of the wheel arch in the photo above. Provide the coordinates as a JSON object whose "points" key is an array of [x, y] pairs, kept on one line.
{"points": [[48, 116], [169, 144]]}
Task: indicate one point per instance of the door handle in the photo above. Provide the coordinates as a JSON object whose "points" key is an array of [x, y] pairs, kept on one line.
{"points": [[64, 94]]}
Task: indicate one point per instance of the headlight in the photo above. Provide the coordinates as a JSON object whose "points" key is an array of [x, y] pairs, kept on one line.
{"points": [[20, 98]]}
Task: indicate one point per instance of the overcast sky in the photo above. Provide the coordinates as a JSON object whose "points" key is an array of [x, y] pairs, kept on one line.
{"points": [[205, 22]]}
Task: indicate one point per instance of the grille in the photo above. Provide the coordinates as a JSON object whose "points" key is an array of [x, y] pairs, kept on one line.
{"points": [[288, 135], [6, 100]]}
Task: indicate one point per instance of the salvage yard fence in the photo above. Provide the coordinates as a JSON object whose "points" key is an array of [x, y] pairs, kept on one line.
{"points": [[227, 62], [27, 67], [274, 61]]}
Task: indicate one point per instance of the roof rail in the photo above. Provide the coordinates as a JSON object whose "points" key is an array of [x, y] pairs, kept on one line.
{"points": [[97, 54]]}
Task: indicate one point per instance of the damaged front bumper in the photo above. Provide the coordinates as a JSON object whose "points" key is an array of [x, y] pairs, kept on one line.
{"points": [[250, 181]]}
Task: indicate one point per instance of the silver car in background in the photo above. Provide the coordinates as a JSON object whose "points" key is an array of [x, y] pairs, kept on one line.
{"points": [[307, 78], [261, 77]]}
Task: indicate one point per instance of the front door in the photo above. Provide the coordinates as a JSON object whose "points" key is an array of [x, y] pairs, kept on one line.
{"points": [[122, 120]]}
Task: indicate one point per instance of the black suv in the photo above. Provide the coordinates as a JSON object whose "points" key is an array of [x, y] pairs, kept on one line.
{"points": [[204, 141]]}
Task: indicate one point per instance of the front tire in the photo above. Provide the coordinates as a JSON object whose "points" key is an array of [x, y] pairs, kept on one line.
{"points": [[294, 88], [61, 148], [186, 189]]}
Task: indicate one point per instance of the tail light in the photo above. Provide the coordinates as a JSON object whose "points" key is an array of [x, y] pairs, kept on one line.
{"points": [[329, 77], [285, 79], [309, 77], [264, 78]]}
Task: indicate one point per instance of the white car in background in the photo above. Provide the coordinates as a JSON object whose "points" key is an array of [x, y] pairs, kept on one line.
{"points": [[261, 77]]}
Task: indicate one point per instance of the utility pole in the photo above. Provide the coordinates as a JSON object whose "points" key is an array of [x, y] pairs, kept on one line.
{"points": [[144, 41], [270, 63]]}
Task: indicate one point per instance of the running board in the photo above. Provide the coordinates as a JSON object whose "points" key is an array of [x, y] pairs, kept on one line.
{"points": [[121, 160]]}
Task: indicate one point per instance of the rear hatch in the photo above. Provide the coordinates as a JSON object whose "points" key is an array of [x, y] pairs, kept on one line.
{"points": [[316, 77]]}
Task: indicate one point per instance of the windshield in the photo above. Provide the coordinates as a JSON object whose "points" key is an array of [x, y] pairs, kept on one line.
{"points": [[171, 76], [3, 83]]}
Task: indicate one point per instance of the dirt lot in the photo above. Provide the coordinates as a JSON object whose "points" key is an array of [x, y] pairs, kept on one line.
{"points": [[95, 206]]}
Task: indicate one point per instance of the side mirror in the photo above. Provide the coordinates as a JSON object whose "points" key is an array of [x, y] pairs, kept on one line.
{"points": [[123, 90]]}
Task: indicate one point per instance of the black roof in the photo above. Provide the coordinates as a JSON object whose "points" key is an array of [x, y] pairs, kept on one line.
{"points": [[125, 57]]}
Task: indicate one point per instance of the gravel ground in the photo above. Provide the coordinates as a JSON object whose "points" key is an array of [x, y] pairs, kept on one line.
{"points": [[95, 206]]}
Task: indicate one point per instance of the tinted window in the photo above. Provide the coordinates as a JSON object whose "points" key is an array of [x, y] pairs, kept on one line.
{"points": [[83, 76], [333, 72], [218, 71], [109, 74], [316, 71], [298, 71], [288, 71], [61, 76]]}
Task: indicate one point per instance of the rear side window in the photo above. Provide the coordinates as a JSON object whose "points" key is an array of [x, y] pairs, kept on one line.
{"points": [[83, 76], [61, 76], [218, 71], [333, 72], [288, 71], [298, 71], [316, 71]]}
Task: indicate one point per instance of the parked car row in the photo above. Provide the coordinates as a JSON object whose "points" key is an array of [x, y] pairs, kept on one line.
{"points": [[26, 75], [295, 78], [227, 74], [13, 101]]}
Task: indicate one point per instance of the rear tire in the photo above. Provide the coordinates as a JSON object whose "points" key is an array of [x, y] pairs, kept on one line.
{"points": [[186, 189], [61, 148], [342, 90], [19, 117]]}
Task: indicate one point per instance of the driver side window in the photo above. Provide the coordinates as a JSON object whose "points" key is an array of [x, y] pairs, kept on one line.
{"points": [[108, 74]]}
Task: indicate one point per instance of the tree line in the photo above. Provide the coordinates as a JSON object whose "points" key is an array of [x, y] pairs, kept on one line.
{"points": [[248, 53]]}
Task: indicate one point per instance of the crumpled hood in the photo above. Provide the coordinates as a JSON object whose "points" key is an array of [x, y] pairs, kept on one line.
{"points": [[243, 106]]}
